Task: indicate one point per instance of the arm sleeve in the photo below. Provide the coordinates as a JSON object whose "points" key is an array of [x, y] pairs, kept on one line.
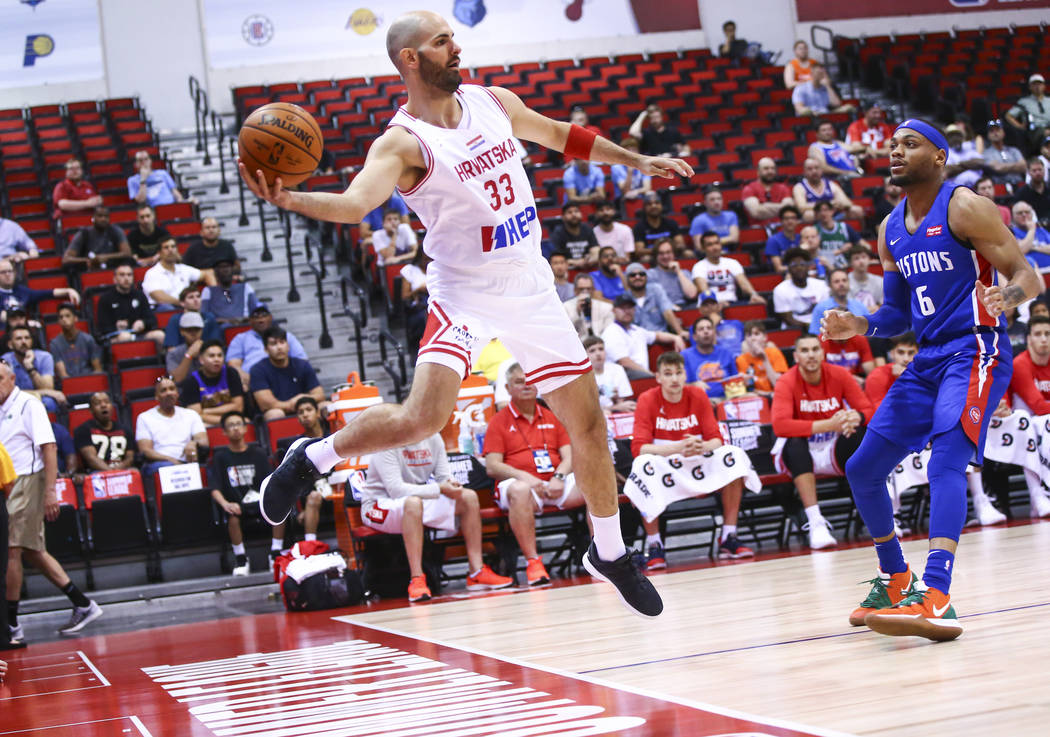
{"points": [[387, 468], [643, 423], [894, 317], [784, 423]]}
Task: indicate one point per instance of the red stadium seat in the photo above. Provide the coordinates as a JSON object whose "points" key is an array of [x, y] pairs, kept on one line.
{"points": [[284, 427], [217, 438], [134, 352], [83, 385], [140, 378]]}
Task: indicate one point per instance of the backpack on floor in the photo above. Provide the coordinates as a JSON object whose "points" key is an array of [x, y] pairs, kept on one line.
{"points": [[312, 578]]}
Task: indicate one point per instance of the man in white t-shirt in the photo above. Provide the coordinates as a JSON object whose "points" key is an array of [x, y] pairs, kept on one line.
{"points": [[614, 389], [721, 275], [166, 279], [610, 233], [864, 287], [796, 296], [167, 434], [396, 242], [628, 344]]}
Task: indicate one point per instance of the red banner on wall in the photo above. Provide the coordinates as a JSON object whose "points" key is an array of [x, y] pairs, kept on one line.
{"points": [[816, 10]]}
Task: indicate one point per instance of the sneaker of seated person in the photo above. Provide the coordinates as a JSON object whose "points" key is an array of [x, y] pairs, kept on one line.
{"points": [[242, 567], [732, 549], [536, 574], [487, 579], [655, 558], [418, 589], [820, 535]]}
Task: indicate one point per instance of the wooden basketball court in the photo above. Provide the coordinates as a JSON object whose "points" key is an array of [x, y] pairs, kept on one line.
{"points": [[754, 648]]}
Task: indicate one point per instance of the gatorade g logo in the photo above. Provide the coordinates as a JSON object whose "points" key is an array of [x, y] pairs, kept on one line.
{"points": [[674, 462], [975, 415], [668, 480], [37, 45], [509, 232]]}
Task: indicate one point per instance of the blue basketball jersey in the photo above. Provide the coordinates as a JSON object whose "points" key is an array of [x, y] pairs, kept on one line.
{"points": [[941, 271]]}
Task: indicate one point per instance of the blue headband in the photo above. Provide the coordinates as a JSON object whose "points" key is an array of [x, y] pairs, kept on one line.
{"points": [[933, 135]]}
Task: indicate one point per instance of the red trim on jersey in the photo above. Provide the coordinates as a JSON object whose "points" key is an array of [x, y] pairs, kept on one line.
{"points": [[979, 388], [560, 364], [437, 324], [435, 349], [496, 100], [566, 372], [430, 158]]}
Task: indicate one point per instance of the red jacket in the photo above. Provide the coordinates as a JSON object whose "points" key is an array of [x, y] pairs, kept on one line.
{"points": [[797, 404]]}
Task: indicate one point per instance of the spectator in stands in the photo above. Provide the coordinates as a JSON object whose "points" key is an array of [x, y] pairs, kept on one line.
{"points": [[658, 138], [26, 435], [724, 276], [229, 302], [590, 314], [986, 188], [168, 277], [653, 227], [714, 218], [836, 237], [1005, 164], [311, 420], [153, 186], [796, 296], [628, 344], [1033, 239], [677, 283], [608, 277], [168, 434], [817, 96], [654, 311], [75, 352], [394, 243], [963, 121], [68, 460], [1044, 156], [819, 415], [614, 389], [760, 360], [34, 369], [729, 332], [629, 183], [732, 47], [864, 287], [902, 351], [837, 159], [415, 298], [20, 297], [784, 239], [765, 197], [584, 182], [278, 382], [965, 164], [74, 194], [809, 241], [706, 362], [854, 355], [146, 236], [15, 243], [559, 261], [373, 222], [213, 389], [611, 233], [578, 116], [1036, 193], [247, 348], [575, 237], [1031, 114], [237, 470], [123, 311], [799, 68], [528, 455], [183, 358], [871, 130], [97, 246], [190, 301], [410, 488], [815, 187], [209, 248], [103, 442]]}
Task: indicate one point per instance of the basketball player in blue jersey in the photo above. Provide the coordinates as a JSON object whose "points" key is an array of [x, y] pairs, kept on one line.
{"points": [[451, 150], [940, 249]]}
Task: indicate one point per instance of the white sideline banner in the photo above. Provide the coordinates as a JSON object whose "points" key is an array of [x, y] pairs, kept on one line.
{"points": [[49, 42]]}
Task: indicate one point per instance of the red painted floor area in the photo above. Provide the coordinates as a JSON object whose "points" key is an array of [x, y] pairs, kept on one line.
{"points": [[307, 674]]}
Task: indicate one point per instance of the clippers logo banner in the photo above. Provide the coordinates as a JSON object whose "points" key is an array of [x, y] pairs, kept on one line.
{"points": [[818, 10], [49, 42]]}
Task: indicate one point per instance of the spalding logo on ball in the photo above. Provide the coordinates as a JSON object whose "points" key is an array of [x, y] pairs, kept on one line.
{"points": [[282, 140]]}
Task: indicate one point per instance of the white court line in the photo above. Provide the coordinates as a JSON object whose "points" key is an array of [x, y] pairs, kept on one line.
{"points": [[49, 678], [91, 665], [140, 726], [133, 719], [733, 713], [48, 693]]}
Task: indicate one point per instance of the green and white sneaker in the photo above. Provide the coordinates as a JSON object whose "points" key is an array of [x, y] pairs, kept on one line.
{"points": [[886, 590]]}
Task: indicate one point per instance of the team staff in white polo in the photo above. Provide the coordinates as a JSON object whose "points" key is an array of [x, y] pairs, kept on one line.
{"points": [[25, 432]]}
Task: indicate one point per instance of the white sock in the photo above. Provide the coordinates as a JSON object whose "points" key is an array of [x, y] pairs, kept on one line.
{"points": [[309, 536], [607, 536], [239, 549], [814, 516], [323, 454], [653, 540], [727, 530], [277, 543], [973, 482]]}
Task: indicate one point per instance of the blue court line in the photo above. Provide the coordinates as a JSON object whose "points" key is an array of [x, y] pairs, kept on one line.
{"points": [[857, 631]]}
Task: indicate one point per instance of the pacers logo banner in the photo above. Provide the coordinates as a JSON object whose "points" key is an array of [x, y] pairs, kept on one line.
{"points": [[37, 45], [49, 42]]}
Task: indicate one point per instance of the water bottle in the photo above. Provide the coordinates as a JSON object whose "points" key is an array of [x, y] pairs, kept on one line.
{"points": [[466, 439], [478, 436]]}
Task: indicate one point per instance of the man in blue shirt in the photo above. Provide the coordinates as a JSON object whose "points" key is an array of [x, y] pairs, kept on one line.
{"points": [[229, 302], [730, 333], [247, 348], [584, 182], [1033, 239], [608, 279], [653, 308], [34, 369], [706, 363], [20, 297], [723, 222], [838, 283], [785, 238], [155, 187], [279, 381]]}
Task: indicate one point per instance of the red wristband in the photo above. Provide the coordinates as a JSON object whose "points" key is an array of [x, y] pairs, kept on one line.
{"points": [[579, 143]]}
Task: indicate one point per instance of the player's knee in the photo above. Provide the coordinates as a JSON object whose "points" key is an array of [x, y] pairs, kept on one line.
{"points": [[413, 506], [313, 500], [796, 456], [470, 499]]}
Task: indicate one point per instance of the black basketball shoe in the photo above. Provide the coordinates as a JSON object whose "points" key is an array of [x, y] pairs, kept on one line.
{"points": [[290, 480], [637, 592]]}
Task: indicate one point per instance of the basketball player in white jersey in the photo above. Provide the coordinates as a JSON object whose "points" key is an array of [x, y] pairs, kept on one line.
{"points": [[451, 153]]}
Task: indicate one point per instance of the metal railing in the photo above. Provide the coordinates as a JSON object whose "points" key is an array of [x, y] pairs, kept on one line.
{"points": [[394, 367], [320, 272], [200, 116], [359, 318]]}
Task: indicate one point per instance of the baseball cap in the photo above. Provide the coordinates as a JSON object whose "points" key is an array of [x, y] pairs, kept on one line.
{"points": [[995, 123], [262, 308], [191, 320], [1036, 78], [635, 268], [953, 128], [708, 297], [624, 300]]}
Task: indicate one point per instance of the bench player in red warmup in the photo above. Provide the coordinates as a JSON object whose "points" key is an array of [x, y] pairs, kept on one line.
{"points": [[940, 249], [451, 153]]}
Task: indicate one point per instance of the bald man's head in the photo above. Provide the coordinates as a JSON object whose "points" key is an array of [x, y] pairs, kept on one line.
{"points": [[420, 45], [409, 31]]}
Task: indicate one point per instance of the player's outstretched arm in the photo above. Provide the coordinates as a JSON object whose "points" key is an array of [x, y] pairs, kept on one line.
{"points": [[554, 134], [394, 158], [976, 219]]}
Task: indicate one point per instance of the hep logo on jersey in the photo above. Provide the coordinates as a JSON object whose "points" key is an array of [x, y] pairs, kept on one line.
{"points": [[509, 232]]}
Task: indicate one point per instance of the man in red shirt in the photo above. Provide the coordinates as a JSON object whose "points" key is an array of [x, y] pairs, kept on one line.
{"points": [[74, 195], [675, 430], [527, 453], [819, 413], [854, 355], [880, 380], [872, 131], [764, 197]]}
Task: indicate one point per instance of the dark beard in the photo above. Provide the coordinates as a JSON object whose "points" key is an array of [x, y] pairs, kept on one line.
{"points": [[903, 180], [444, 78]]}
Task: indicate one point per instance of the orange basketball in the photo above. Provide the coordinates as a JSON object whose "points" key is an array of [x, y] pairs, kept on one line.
{"points": [[282, 140]]}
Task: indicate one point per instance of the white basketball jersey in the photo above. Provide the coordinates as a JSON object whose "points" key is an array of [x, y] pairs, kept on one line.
{"points": [[474, 200]]}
